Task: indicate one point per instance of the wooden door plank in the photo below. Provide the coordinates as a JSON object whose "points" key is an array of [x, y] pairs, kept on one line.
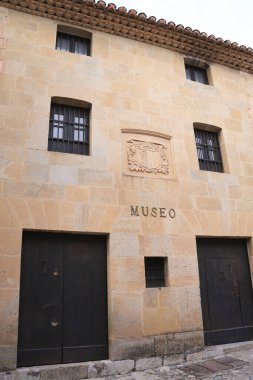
{"points": [[85, 335], [226, 290], [40, 312]]}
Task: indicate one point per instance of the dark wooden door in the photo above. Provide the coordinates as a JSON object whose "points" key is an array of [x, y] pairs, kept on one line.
{"points": [[63, 299], [85, 299], [226, 290]]}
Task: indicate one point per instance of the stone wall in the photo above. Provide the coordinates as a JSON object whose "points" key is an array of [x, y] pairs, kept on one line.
{"points": [[130, 86]]}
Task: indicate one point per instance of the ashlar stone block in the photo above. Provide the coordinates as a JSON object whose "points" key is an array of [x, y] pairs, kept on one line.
{"points": [[148, 363], [101, 368], [8, 356], [124, 244], [160, 320], [125, 317], [63, 175], [65, 372], [160, 342], [132, 348], [127, 273], [124, 366]]}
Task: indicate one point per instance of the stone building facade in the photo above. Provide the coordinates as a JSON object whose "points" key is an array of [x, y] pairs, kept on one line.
{"points": [[164, 180]]}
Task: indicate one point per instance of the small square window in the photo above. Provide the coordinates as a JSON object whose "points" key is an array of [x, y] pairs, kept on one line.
{"points": [[72, 43], [196, 74], [155, 272], [68, 129], [208, 150]]}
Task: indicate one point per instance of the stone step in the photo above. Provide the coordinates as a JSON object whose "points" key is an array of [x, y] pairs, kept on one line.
{"points": [[103, 368], [88, 370], [75, 371], [216, 351]]}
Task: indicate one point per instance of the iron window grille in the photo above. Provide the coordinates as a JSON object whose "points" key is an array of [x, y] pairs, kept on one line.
{"points": [[68, 129], [155, 272], [208, 150], [72, 43], [196, 74]]}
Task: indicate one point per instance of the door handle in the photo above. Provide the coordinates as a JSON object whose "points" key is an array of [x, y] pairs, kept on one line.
{"points": [[54, 323]]}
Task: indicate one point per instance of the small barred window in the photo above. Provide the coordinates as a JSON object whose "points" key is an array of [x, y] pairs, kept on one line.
{"points": [[208, 150], [196, 74], [72, 43], [155, 272], [68, 129]]}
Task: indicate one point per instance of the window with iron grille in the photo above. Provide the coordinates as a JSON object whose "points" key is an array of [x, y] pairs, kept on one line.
{"points": [[72, 43], [68, 129], [208, 150], [196, 74], [155, 272]]}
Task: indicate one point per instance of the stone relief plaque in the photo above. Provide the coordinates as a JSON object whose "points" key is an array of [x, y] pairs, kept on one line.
{"points": [[147, 154], [147, 157]]}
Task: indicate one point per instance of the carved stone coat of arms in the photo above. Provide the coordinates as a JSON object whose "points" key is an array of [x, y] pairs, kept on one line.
{"points": [[149, 157]]}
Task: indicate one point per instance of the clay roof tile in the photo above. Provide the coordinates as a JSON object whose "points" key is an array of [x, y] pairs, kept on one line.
{"points": [[158, 32], [121, 10], [171, 23], [180, 27], [101, 4], [142, 15], [152, 19], [162, 21], [132, 12], [111, 7]]}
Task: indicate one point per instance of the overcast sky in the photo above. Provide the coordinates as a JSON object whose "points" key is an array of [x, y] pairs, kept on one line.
{"points": [[229, 19]]}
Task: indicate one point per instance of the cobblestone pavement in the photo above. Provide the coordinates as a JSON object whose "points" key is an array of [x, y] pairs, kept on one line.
{"points": [[234, 366]]}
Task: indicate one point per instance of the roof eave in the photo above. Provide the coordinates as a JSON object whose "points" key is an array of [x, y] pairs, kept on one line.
{"points": [[110, 19]]}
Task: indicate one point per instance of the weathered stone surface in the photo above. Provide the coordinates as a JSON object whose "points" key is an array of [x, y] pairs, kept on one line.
{"points": [[194, 356], [124, 366], [126, 312], [212, 352], [94, 178], [184, 342], [8, 355], [127, 274], [62, 175], [36, 173], [148, 363], [150, 297], [175, 346], [101, 368], [173, 359], [7, 376], [233, 347], [92, 371], [124, 244], [65, 372], [28, 373], [159, 320], [193, 341], [160, 342], [132, 348], [238, 365]]}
